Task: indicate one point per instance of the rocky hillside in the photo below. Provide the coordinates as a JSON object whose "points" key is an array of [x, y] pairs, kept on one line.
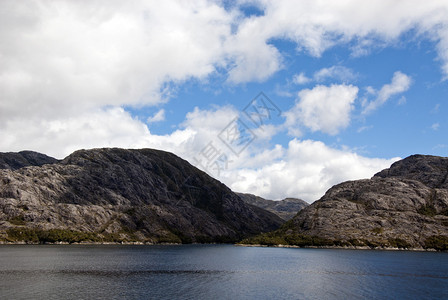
{"points": [[285, 209], [14, 161], [122, 195], [405, 206]]}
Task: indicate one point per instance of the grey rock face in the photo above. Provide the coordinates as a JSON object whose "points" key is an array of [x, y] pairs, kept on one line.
{"points": [[285, 209], [408, 201], [14, 161], [143, 195]]}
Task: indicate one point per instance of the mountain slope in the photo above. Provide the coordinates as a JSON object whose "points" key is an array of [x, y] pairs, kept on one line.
{"points": [[285, 209], [14, 161], [131, 195], [404, 206]]}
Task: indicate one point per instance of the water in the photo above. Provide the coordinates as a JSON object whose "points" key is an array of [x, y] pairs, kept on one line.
{"points": [[217, 272]]}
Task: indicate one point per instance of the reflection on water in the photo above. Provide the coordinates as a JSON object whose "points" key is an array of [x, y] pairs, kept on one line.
{"points": [[217, 271]]}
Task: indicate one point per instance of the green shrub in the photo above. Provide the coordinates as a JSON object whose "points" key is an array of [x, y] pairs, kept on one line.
{"points": [[377, 230], [34, 235], [17, 220], [437, 242], [22, 234], [427, 210], [356, 242], [399, 243]]}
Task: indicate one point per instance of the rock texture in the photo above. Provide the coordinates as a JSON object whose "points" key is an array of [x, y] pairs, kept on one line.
{"points": [[285, 209], [125, 195], [405, 206], [14, 161]]}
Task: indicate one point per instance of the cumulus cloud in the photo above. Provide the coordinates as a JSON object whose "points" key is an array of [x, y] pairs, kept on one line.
{"points": [[66, 57], [318, 25], [400, 83], [306, 170], [68, 67], [59, 137], [157, 117], [301, 78], [339, 73], [333, 73], [323, 108]]}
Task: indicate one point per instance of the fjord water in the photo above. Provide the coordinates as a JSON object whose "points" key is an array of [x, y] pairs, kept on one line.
{"points": [[217, 272]]}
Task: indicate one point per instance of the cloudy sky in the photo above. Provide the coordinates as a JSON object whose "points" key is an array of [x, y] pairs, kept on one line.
{"points": [[276, 98]]}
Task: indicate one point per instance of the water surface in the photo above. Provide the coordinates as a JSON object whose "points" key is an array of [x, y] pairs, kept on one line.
{"points": [[218, 272]]}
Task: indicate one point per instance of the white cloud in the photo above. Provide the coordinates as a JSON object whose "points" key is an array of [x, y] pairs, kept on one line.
{"points": [[101, 128], [301, 79], [306, 169], [157, 117], [66, 68], [400, 83], [254, 59], [114, 127], [323, 108], [339, 73], [66, 57], [364, 128], [318, 25], [435, 126]]}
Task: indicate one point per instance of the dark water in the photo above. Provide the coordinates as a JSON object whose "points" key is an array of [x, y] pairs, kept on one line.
{"points": [[218, 272]]}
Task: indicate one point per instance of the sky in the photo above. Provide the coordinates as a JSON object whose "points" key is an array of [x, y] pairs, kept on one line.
{"points": [[275, 98]]}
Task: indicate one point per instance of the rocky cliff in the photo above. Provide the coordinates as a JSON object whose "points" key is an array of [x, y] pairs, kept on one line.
{"points": [[285, 209], [122, 195], [14, 161], [405, 206]]}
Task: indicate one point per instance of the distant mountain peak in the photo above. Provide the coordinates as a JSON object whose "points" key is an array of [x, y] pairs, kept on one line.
{"points": [[285, 209], [17, 160]]}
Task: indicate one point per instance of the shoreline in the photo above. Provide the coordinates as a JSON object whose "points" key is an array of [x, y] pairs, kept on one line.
{"points": [[341, 247], [234, 244], [90, 243]]}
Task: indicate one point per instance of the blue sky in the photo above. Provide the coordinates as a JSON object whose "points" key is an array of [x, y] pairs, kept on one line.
{"points": [[391, 131], [357, 86]]}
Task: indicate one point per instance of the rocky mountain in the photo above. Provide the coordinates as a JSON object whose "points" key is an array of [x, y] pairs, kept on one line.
{"points": [[285, 209], [14, 161], [405, 206], [121, 195]]}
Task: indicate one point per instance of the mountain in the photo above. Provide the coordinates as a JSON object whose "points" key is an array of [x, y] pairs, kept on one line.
{"points": [[285, 209], [405, 206], [121, 195], [14, 161]]}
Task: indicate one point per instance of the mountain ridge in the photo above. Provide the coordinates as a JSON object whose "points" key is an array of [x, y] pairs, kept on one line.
{"points": [[114, 194], [285, 209], [404, 206], [17, 160]]}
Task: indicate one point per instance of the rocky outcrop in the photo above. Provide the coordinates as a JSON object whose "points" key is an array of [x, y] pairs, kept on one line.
{"points": [[285, 209], [125, 195], [405, 206], [14, 161]]}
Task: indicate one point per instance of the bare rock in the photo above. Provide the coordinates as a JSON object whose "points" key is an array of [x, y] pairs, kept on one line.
{"points": [[285, 209], [403, 206], [142, 195]]}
